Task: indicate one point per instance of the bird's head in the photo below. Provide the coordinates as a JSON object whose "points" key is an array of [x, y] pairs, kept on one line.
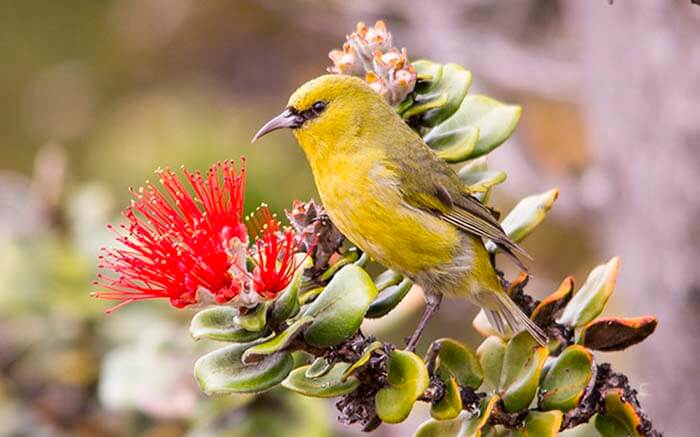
{"points": [[327, 109]]}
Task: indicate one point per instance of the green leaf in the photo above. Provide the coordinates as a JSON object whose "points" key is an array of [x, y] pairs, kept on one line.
{"points": [[496, 121], [309, 295], [540, 424], [460, 362], [424, 103], [217, 323], [277, 343], [450, 405], [490, 354], [482, 181], [223, 372], [388, 299], [583, 430], [387, 278], [256, 320], [287, 303], [618, 408], [339, 310], [329, 385], [319, 367], [463, 425], [520, 375], [590, 300], [408, 379], [429, 75], [364, 359], [608, 426], [454, 139], [479, 125], [444, 428], [349, 257], [616, 333], [565, 383], [477, 425], [454, 84], [526, 215], [362, 260], [479, 179]]}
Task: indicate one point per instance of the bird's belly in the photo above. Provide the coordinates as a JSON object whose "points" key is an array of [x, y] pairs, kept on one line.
{"points": [[375, 218]]}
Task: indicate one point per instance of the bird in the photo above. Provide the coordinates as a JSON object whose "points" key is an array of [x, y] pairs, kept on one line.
{"points": [[396, 200]]}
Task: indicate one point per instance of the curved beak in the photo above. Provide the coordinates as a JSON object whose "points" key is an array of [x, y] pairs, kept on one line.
{"points": [[287, 119]]}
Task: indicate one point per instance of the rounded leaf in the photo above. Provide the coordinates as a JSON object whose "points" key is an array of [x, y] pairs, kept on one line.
{"points": [[364, 359], [454, 85], [590, 300], [255, 320], [223, 372], [526, 215], [496, 122], [349, 257], [340, 308], [444, 428], [490, 354], [522, 363], [423, 103], [428, 74], [545, 312], [387, 278], [479, 125], [319, 367], [482, 181], [388, 299], [287, 303], [408, 379], [616, 333], [218, 323], [460, 362], [608, 426], [477, 425], [277, 343], [618, 408], [540, 424], [450, 405], [565, 383], [310, 295], [329, 385], [583, 430], [454, 139]]}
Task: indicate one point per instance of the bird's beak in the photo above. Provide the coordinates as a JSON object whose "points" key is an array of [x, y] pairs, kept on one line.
{"points": [[287, 119]]}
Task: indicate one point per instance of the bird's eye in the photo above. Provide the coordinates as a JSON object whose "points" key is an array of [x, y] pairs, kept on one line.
{"points": [[318, 107]]}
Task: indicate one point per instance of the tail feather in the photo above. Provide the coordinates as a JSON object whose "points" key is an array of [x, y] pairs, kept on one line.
{"points": [[508, 319]]}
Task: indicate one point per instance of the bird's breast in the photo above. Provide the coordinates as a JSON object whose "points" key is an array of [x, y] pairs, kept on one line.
{"points": [[363, 198]]}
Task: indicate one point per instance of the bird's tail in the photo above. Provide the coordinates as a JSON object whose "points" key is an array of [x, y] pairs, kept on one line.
{"points": [[507, 318]]}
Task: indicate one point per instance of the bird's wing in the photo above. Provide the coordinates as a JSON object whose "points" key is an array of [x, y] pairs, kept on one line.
{"points": [[438, 190]]}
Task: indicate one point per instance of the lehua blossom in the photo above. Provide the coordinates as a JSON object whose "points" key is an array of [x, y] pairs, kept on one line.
{"points": [[273, 253], [186, 241]]}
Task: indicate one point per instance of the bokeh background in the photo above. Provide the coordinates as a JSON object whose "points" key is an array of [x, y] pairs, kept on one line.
{"points": [[95, 95]]}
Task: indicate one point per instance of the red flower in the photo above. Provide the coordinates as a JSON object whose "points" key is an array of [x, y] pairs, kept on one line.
{"points": [[273, 254], [177, 243]]}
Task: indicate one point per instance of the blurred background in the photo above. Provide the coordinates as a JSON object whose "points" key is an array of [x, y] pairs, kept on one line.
{"points": [[95, 95]]}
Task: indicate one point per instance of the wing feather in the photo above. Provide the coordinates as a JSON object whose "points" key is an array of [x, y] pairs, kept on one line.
{"points": [[468, 214]]}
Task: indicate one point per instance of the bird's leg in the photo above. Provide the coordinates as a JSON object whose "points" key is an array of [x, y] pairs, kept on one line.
{"points": [[432, 303]]}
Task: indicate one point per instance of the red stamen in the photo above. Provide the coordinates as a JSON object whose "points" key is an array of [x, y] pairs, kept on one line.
{"points": [[273, 253], [175, 242]]}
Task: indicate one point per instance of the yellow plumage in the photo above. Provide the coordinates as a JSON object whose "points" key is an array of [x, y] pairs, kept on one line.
{"points": [[395, 199]]}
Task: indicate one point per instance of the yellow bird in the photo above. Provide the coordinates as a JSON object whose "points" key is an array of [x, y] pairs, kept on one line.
{"points": [[390, 195]]}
